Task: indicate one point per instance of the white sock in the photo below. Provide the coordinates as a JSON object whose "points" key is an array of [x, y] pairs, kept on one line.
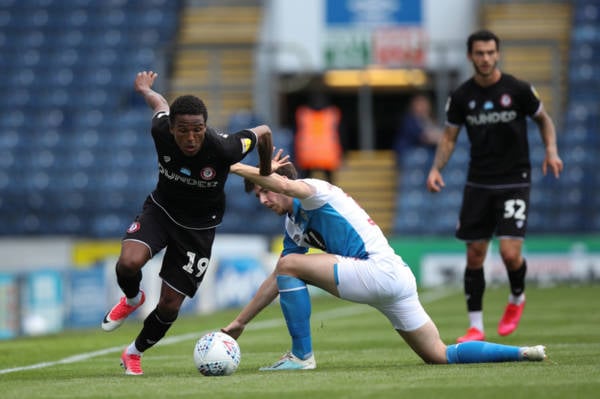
{"points": [[135, 300], [517, 300], [476, 319], [132, 350]]}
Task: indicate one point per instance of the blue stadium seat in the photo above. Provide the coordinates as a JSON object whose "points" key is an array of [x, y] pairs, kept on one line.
{"points": [[109, 225], [13, 120], [67, 39], [454, 177], [284, 139], [416, 158], [9, 139], [413, 177], [586, 12], [61, 57]]}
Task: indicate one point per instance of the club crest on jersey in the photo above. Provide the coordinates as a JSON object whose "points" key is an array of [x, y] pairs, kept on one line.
{"points": [[246, 143], [208, 173], [133, 227], [505, 101]]}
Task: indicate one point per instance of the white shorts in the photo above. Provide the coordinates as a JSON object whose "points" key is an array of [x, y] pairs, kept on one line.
{"points": [[386, 284]]}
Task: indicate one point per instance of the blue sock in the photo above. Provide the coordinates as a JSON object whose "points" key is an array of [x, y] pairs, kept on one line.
{"points": [[482, 352], [296, 308]]}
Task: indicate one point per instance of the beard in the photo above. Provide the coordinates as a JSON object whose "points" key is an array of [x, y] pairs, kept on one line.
{"points": [[489, 72]]}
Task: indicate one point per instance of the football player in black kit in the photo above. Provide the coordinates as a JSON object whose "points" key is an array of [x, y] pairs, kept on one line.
{"points": [[493, 106], [181, 214]]}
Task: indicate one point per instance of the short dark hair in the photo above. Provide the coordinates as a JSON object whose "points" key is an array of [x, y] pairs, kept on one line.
{"points": [[187, 105], [482, 35], [288, 170]]}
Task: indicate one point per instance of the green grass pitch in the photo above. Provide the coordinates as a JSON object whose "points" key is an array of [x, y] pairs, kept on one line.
{"points": [[358, 355]]}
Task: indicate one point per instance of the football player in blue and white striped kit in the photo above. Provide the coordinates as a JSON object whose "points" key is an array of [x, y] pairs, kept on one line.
{"points": [[357, 264]]}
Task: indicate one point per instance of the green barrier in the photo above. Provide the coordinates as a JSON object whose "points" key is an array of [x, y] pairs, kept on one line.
{"points": [[412, 249]]}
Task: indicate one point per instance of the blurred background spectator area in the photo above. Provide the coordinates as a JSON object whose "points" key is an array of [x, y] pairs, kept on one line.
{"points": [[76, 157]]}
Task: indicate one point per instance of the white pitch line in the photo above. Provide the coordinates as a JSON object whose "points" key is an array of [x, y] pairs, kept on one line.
{"points": [[259, 325]]}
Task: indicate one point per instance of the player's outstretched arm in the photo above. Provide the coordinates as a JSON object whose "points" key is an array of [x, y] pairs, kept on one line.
{"points": [[267, 292], [143, 85], [273, 182]]}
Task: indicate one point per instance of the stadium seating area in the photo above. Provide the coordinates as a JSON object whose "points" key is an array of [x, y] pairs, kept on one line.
{"points": [[567, 205], [76, 157], [581, 141]]}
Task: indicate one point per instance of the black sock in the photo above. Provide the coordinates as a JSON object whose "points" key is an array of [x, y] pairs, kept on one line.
{"points": [[474, 287], [517, 279], [155, 327], [130, 284]]}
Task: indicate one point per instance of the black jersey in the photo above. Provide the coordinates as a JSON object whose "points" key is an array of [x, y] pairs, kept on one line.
{"points": [[495, 119], [190, 190]]}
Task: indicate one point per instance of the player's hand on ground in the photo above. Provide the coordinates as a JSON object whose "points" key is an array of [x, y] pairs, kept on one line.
{"points": [[144, 80], [435, 182], [554, 163], [234, 329]]}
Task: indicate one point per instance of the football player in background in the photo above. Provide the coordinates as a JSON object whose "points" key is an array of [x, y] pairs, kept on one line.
{"points": [[181, 214], [357, 264], [494, 106]]}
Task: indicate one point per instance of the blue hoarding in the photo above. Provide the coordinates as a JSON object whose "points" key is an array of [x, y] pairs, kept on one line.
{"points": [[42, 302], [87, 304], [371, 13]]}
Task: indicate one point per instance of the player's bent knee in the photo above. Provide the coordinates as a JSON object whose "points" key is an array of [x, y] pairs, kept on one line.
{"points": [[130, 264], [288, 264]]}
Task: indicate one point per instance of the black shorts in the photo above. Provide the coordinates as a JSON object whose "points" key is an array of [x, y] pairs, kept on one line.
{"points": [[188, 251], [486, 211]]}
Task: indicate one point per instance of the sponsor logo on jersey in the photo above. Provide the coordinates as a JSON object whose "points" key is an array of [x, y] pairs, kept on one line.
{"points": [[185, 171], [133, 227], [190, 181], [246, 143], [491, 118], [167, 158], [488, 105], [472, 104], [208, 173], [505, 101], [314, 239]]}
